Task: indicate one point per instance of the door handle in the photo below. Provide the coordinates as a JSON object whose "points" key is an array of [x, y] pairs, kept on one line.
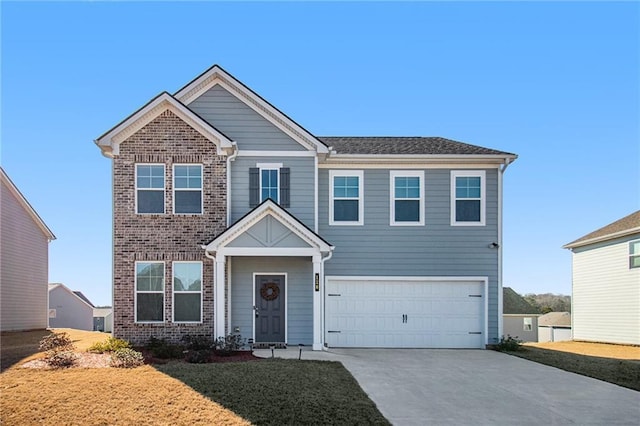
{"points": [[255, 308]]}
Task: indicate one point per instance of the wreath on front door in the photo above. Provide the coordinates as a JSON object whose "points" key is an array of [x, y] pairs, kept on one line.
{"points": [[270, 291]]}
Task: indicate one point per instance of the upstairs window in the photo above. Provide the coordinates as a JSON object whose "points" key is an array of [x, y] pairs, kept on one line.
{"points": [[634, 254], [149, 292], [407, 198], [468, 201], [346, 201], [269, 184], [187, 291], [149, 188], [269, 180], [187, 188]]}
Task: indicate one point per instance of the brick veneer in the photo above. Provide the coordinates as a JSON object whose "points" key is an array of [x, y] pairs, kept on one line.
{"points": [[164, 237]]}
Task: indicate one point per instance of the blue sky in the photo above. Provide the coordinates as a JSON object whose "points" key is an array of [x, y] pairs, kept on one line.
{"points": [[556, 83]]}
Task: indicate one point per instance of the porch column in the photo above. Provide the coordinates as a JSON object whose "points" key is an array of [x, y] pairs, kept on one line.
{"points": [[317, 304], [219, 296]]}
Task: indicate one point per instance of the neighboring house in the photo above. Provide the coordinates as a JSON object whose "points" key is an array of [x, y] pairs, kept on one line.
{"points": [[69, 309], [554, 327], [103, 319], [520, 319], [229, 217], [606, 283], [24, 261]]}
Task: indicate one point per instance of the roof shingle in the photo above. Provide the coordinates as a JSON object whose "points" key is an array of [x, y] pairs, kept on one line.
{"points": [[627, 223]]}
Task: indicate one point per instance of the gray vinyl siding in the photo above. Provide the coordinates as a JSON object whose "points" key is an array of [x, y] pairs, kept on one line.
{"points": [[299, 294], [241, 123], [301, 184], [435, 249], [24, 252], [71, 312]]}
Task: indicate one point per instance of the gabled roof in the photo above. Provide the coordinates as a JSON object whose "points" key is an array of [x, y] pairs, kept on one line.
{"points": [[555, 319], [628, 225], [217, 75], [268, 207], [110, 141], [25, 205], [83, 298], [513, 303]]}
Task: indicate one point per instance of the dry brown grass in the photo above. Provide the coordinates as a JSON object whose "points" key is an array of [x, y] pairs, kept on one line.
{"points": [[142, 396], [603, 350]]}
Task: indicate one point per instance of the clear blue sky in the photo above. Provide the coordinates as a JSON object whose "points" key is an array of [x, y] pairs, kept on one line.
{"points": [[556, 83]]}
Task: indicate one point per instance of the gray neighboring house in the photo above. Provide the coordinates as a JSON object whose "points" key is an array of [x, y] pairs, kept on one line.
{"points": [[69, 309], [230, 217], [519, 319], [606, 283], [24, 261], [554, 327], [103, 319]]}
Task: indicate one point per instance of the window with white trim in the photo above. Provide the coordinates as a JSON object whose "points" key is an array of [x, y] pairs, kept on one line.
{"points": [[407, 197], [527, 324], [269, 179], [468, 198], [634, 254], [346, 200], [149, 188], [187, 291], [187, 188], [149, 292]]}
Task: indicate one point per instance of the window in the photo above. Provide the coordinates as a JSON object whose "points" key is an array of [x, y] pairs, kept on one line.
{"points": [[187, 188], [269, 184], [527, 324], [149, 292], [149, 188], [634, 254], [269, 180], [187, 291], [346, 197], [407, 198], [468, 198]]}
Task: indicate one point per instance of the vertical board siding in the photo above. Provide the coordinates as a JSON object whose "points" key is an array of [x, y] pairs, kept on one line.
{"points": [[24, 273], [435, 249], [301, 182], [606, 294], [299, 294], [241, 123], [71, 312]]}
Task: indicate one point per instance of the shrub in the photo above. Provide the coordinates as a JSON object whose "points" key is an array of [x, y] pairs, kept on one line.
{"points": [[226, 346], [126, 358], [197, 343], [198, 356], [111, 344], [61, 359], [509, 344], [160, 348], [58, 350]]}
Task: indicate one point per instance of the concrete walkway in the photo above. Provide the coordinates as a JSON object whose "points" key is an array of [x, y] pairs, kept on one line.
{"points": [[477, 387]]}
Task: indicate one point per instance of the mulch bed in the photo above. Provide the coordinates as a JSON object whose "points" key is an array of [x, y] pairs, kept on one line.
{"points": [[213, 357]]}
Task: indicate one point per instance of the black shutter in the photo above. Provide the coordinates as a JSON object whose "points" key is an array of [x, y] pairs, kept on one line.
{"points": [[254, 186], [284, 187]]}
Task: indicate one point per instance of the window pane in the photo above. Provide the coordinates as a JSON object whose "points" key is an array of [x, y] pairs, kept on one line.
{"points": [[345, 210], [150, 201], [150, 276], [186, 276], [407, 187], [634, 247], [269, 184], [181, 182], [407, 211], [150, 307], [346, 187], [468, 187], [340, 192], [468, 210], [188, 177], [188, 202], [150, 176], [634, 261], [186, 307]]}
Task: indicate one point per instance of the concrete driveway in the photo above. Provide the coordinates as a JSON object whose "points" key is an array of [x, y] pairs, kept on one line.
{"points": [[479, 387]]}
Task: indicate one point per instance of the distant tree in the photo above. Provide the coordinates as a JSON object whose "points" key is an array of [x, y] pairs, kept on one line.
{"points": [[549, 302]]}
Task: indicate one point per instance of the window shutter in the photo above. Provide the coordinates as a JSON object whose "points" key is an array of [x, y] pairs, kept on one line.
{"points": [[284, 187], [254, 186]]}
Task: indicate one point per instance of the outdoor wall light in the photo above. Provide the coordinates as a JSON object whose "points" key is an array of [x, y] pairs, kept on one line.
{"points": [[494, 245]]}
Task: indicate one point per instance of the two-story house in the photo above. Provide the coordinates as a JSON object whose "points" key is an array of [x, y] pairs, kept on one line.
{"points": [[230, 217]]}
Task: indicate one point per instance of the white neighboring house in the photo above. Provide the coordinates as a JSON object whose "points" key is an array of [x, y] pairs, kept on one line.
{"points": [[69, 309], [24, 261], [103, 319], [606, 283]]}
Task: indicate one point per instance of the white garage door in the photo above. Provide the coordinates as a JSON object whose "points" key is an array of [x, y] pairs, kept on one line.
{"points": [[404, 313]]}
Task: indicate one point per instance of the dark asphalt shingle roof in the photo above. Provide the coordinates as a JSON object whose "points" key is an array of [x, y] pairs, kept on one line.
{"points": [[404, 145], [627, 223]]}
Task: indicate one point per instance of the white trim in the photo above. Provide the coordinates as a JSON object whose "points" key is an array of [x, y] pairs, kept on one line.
{"points": [[386, 163], [392, 196], [602, 238], [173, 292], [483, 196], [347, 173], [229, 287], [269, 167], [135, 291], [268, 251], [256, 153], [173, 188], [286, 304], [315, 193], [164, 188]]}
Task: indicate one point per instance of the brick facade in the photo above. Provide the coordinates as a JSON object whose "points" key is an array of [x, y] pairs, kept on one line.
{"points": [[164, 237]]}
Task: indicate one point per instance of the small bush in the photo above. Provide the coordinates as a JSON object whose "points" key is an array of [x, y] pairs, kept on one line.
{"points": [[160, 348], [226, 346], [58, 350], [200, 356], [197, 343], [62, 359], [111, 344], [509, 344], [126, 358]]}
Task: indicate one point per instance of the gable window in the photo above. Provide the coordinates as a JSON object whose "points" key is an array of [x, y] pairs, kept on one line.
{"points": [[269, 184], [187, 188], [269, 180], [149, 292], [634, 254], [468, 200], [187, 291], [407, 198], [527, 324], [149, 188], [346, 201]]}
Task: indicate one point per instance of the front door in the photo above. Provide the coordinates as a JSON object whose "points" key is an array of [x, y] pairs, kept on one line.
{"points": [[269, 309]]}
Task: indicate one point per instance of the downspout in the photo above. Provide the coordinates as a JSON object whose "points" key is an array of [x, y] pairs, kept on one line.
{"points": [[322, 260], [501, 171], [213, 258], [230, 158]]}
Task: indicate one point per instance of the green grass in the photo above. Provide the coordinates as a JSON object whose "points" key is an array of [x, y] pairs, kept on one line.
{"points": [[280, 392]]}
